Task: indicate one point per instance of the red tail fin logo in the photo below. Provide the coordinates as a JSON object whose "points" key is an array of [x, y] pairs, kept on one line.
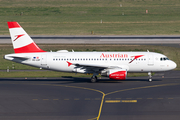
{"points": [[18, 36]]}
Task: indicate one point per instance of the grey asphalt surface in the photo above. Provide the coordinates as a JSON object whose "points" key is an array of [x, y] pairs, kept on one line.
{"points": [[77, 99], [97, 39]]}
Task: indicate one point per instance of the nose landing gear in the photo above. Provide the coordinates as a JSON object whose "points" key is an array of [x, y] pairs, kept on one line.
{"points": [[150, 77], [94, 79]]}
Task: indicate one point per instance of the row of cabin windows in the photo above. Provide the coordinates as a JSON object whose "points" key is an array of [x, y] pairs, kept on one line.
{"points": [[91, 59]]}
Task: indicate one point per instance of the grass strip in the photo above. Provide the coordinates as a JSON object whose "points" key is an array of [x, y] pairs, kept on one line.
{"points": [[104, 17], [51, 74]]}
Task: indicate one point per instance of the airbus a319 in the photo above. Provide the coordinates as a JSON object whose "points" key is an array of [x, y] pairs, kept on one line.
{"points": [[114, 65]]}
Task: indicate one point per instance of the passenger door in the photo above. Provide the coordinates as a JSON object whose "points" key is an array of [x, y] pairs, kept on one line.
{"points": [[150, 60]]}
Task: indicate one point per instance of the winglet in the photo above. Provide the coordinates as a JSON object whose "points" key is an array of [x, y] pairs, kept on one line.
{"points": [[21, 41]]}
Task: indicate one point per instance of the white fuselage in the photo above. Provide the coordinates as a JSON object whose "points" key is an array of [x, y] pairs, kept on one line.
{"points": [[58, 61]]}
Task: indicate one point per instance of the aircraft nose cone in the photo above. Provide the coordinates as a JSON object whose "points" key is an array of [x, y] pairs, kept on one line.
{"points": [[173, 65]]}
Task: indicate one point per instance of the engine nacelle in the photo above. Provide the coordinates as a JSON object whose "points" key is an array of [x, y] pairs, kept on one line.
{"points": [[117, 74]]}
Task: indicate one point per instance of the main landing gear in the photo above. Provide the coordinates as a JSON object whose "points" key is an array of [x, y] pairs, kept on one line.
{"points": [[150, 77], [94, 79]]}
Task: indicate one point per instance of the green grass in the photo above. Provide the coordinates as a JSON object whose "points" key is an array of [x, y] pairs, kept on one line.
{"points": [[49, 74], [80, 17], [42, 73]]}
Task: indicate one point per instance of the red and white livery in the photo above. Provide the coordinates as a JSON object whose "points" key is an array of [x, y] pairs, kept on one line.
{"points": [[114, 65], [22, 42]]}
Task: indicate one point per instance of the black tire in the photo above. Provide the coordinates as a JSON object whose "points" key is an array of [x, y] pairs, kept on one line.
{"points": [[93, 79]]}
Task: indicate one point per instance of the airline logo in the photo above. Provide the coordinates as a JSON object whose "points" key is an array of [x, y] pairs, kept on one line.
{"points": [[35, 59], [113, 55], [135, 57], [18, 36]]}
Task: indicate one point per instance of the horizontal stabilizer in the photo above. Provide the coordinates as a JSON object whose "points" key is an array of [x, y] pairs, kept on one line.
{"points": [[15, 56]]}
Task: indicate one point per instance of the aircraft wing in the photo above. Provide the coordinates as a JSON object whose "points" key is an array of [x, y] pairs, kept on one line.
{"points": [[92, 65]]}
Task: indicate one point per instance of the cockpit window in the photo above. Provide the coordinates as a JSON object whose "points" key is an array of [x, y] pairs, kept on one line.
{"points": [[164, 58]]}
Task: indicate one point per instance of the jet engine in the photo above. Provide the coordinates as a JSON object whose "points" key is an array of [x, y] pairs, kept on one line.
{"points": [[117, 74]]}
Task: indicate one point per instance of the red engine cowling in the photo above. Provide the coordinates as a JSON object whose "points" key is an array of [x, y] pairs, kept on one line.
{"points": [[119, 75]]}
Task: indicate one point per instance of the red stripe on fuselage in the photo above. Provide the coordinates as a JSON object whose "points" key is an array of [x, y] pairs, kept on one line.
{"points": [[28, 49], [13, 25]]}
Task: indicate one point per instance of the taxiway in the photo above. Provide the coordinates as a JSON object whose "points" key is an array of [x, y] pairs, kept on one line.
{"points": [[77, 99]]}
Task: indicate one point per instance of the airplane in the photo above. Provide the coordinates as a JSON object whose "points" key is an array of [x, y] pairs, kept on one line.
{"points": [[114, 65]]}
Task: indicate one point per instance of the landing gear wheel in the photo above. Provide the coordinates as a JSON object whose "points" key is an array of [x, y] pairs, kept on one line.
{"points": [[150, 77], [93, 79]]}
